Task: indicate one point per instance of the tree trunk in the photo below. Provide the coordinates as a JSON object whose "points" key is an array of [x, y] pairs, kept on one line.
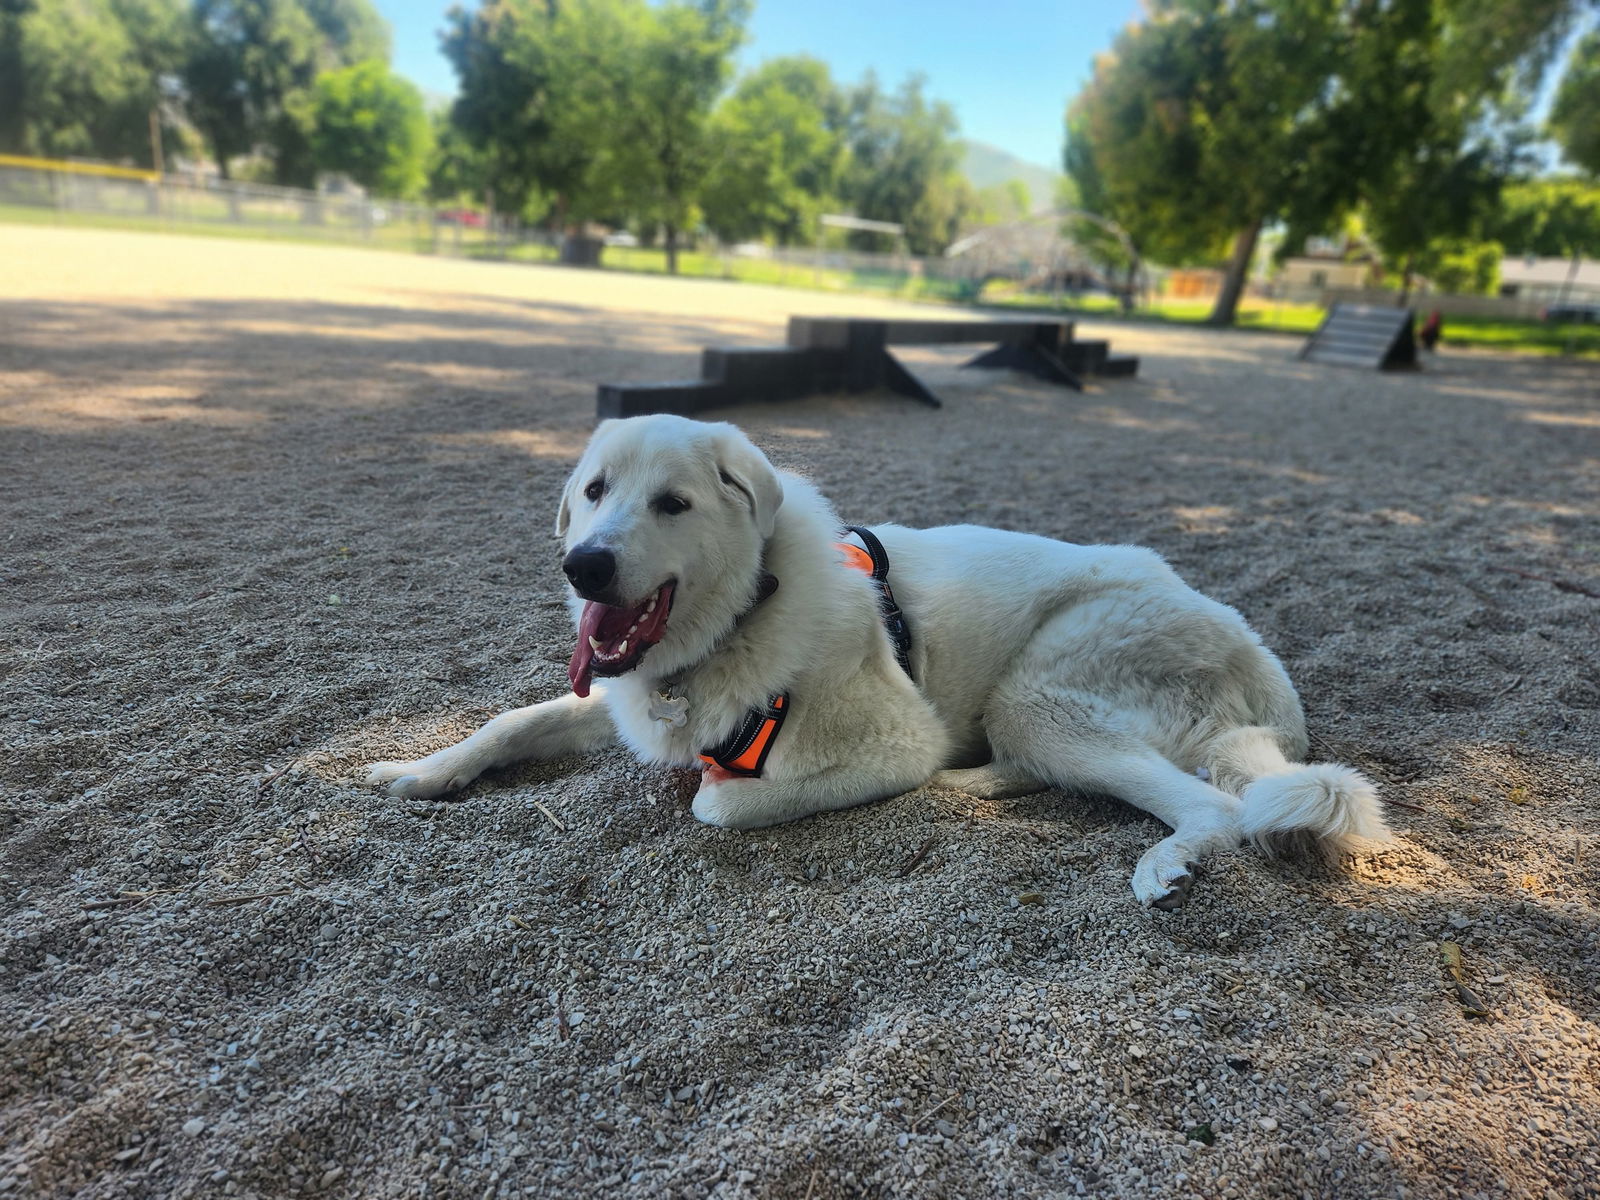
{"points": [[1244, 249], [672, 248], [1405, 280], [1572, 273]]}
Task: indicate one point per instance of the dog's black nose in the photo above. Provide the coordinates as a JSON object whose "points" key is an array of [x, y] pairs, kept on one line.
{"points": [[590, 570]]}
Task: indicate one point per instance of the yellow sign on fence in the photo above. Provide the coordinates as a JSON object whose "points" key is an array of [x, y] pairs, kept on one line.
{"points": [[77, 168]]}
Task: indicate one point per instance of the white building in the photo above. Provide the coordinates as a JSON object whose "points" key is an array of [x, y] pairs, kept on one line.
{"points": [[1544, 280]]}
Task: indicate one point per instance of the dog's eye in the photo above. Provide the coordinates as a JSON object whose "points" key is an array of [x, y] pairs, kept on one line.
{"points": [[671, 506], [595, 490]]}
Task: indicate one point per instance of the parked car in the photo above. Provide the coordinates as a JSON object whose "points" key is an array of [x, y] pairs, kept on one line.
{"points": [[1571, 314], [466, 217]]}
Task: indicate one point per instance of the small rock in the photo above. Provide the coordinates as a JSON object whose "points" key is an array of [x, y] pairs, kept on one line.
{"points": [[194, 1126], [1267, 1123]]}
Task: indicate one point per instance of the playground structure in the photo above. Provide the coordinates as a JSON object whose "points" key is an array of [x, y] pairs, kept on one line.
{"points": [[1037, 256], [1364, 335], [853, 355]]}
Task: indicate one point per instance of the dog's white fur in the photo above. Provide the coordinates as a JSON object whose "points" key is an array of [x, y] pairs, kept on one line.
{"points": [[1092, 668]]}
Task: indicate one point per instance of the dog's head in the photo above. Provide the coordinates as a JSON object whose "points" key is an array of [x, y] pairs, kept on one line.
{"points": [[664, 520]]}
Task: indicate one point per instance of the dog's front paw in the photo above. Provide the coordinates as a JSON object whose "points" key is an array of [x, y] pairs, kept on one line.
{"points": [[729, 802], [420, 780]]}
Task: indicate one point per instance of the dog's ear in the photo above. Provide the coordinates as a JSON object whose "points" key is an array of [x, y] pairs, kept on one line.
{"points": [[564, 510], [741, 466], [569, 494]]}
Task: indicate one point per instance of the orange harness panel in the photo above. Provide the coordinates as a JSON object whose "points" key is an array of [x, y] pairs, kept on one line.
{"points": [[745, 753]]}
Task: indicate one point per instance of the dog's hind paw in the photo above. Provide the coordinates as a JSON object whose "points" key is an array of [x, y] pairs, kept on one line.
{"points": [[1177, 897], [1163, 877]]}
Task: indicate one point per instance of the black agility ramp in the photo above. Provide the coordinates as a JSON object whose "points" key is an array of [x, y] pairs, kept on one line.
{"points": [[852, 354], [1364, 335]]}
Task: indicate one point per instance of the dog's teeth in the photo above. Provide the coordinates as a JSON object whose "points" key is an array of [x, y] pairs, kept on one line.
{"points": [[594, 643], [651, 607], [622, 649], [633, 629]]}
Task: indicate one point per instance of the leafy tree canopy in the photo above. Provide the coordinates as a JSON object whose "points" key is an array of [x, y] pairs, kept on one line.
{"points": [[252, 65], [1215, 117], [82, 77], [1575, 113], [779, 153], [370, 124]]}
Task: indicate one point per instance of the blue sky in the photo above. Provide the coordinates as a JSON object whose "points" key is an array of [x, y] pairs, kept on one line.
{"points": [[1008, 67]]}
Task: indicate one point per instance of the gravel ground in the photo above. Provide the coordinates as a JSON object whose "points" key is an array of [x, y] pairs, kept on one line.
{"points": [[271, 512]]}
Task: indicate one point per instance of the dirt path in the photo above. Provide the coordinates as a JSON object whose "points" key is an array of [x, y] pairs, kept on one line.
{"points": [[270, 512]]}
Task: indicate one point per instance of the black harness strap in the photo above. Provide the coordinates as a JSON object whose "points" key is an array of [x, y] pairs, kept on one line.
{"points": [[745, 752], [893, 619]]}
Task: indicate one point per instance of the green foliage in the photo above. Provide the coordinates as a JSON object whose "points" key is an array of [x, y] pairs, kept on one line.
{"points": [[1214, 117], [82, 77], [602, 105], [1549, 218], [504, 112], [1575, 113], [251, 68], [1462, 267], [677, 63], [780, 153], [369, 124], [457, 171], [904, 164]]}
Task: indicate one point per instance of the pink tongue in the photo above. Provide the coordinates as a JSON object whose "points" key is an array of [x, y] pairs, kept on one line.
{"points": [[579, 670]]}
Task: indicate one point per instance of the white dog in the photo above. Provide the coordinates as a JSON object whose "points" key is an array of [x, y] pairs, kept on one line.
{"points": [[715, 600]]}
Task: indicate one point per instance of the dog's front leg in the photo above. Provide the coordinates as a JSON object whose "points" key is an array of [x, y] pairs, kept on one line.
{"points": [[554, 729], [736, 802]]}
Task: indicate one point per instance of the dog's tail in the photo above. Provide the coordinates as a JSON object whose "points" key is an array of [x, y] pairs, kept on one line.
{"points": [[1290, 806]]}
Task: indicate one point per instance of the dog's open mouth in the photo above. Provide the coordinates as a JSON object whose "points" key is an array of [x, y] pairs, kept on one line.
{"points": [[612, 640]]}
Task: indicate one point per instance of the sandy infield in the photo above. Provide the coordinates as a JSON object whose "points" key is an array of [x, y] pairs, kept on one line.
{"points": [[271, 512]]}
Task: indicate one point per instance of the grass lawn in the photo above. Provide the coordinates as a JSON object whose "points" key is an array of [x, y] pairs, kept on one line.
{"points": [[1523, 337]]}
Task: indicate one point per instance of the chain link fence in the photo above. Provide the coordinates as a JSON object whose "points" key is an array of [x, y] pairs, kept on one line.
{"points": [[127, 196]]}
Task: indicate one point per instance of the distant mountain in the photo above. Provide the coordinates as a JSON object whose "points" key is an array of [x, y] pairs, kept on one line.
{"points": [[985, 165]]}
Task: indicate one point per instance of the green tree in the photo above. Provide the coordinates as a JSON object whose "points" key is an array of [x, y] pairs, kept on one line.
{"points": [[779, 153], [676, 66], [504, 114], [1552, 217], [603, 106], [1462, 266], [251, 67], [457, 171], [1575, 113], [1192, 128], [86, 77], [370, 124], [905, 163], [1215, 117]]}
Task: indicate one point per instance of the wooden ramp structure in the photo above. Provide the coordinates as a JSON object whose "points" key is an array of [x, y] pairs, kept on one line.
{"points": [[850, 354], [1364, 335]]}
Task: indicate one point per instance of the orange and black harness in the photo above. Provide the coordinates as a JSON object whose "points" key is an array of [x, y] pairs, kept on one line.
{"points": [[745, 752]]}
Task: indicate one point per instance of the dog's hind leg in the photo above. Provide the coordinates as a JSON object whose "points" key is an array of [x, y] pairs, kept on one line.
{"points": [[989, 782], [1075, 742]]}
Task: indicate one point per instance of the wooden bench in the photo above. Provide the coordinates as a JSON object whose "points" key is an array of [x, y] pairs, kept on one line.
{"points": [[852, 354]]}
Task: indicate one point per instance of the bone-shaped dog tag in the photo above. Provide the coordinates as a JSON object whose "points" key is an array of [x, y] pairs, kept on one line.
{"points": [[674, 710]]}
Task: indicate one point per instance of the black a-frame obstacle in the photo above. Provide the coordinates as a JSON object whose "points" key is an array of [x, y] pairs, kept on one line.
{"points": [[1364, 335], [849, 354]]}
